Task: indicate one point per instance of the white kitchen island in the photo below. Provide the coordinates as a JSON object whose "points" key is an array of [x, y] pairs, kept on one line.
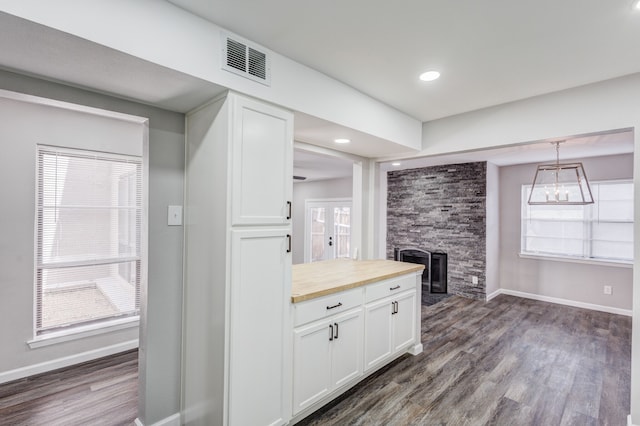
{"points": [[349, 318]]}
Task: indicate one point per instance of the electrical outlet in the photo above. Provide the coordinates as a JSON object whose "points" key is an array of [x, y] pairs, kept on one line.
{"points": [[474, 280], [608, 289]]}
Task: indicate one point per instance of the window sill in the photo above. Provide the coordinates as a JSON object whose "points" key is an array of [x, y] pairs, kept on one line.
{"points": [[598, 262], [82, 332]]}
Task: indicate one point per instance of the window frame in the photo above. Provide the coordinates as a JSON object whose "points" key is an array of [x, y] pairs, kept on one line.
{"points": [[588, 220], [102, 325]]}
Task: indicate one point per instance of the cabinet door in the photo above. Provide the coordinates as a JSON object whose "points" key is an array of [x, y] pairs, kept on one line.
{"points": [[346, 348], [311, 363], [404, 321], [259, 335], [262, 163], [377, 335]]}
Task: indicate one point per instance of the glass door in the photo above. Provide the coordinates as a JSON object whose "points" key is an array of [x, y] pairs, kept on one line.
{"points": [[328, 230]]}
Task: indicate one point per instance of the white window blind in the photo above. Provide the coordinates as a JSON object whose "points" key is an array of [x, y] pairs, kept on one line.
{"points": [[599, 231], [88, 237]]}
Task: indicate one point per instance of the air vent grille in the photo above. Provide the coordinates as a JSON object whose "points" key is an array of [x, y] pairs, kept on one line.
{"points": [[236, 55], [257, 64], [240, 58]]}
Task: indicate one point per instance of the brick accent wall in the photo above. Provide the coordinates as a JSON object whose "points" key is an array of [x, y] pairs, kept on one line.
{"points": [[442, 208]]}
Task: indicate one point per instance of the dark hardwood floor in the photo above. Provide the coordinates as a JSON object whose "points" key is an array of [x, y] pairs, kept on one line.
{"points": [[510, 361], [103, 392]]}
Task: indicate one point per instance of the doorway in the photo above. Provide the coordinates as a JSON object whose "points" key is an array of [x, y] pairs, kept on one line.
{"points": [[324, 180], [327, 229]]}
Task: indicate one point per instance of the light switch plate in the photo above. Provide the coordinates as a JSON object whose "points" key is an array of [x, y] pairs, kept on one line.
{"points": [[174, 216]]}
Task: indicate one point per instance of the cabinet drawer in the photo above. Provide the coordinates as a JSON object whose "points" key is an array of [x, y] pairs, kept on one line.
{"points": [[389, 287], [322, 307]]}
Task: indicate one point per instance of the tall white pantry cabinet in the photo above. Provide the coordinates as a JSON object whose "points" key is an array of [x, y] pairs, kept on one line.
{"points": [[236, 322]]}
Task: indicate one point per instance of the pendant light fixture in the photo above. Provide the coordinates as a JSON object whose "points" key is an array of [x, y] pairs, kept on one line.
{"points": [[560, 184]]}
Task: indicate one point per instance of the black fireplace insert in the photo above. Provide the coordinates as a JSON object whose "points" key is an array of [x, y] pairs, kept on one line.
{"points": [[434, 275]]}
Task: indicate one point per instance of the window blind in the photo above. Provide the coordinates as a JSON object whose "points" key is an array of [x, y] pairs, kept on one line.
{"points": [[603, 230], [88, 230]]}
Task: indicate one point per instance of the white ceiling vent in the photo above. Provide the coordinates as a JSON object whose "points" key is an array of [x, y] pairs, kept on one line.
{"points": [[245, 59]]}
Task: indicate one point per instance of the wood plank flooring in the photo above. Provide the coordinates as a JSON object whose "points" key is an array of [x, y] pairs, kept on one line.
{"points": [[103, 392], [510, 361]]}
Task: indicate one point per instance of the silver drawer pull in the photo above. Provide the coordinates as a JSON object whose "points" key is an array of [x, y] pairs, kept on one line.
{"points": [[334, 306], [394, 288]]}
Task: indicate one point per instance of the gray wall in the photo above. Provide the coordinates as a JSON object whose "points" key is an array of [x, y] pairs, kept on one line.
{"points": [[330, 188], [161, 341], [442, 208], [572, 281], [24, 125]]}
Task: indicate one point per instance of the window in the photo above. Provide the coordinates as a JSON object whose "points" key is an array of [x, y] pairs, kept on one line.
{"points": [[88, 234], [599, 231]]}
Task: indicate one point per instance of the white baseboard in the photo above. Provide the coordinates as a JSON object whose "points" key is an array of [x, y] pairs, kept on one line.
{"points": [[629, 422], [173, 420], [559, 301], [498, 292], [66, 361]]}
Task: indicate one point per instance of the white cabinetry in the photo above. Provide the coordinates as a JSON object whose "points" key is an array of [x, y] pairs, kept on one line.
{"points": [[403, 320], [341, 338], [236, 343], [327, 352], [259, 318], [262, 164], [390, 322]]}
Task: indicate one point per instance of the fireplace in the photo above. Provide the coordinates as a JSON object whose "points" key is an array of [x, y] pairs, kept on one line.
{"points": [[434, 276], [438, 272]]}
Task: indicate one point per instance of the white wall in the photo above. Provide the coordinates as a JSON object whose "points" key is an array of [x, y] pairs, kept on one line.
{"points": [[302, 191], [598, 107], [493, 217], [178, 40], [565, 280], [160, 343]]}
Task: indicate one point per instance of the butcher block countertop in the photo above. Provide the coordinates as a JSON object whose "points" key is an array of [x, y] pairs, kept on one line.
{"points": [[311, 280]]}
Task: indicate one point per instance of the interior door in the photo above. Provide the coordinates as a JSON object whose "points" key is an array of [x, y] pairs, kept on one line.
{"points": [[328, 230]]}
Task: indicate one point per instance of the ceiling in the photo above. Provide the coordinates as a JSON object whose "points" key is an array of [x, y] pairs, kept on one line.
{"points": [[614, 143], [30, 48], [314, 166], [319, 132], [489, 52]]}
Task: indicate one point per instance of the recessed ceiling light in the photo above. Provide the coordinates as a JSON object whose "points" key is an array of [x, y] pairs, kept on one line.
{"points": [[637, 5], [396, 163], [342, 140], [429, 75]]}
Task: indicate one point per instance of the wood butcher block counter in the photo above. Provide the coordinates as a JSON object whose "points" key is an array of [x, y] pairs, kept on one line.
{"points": [[311, 280]]}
